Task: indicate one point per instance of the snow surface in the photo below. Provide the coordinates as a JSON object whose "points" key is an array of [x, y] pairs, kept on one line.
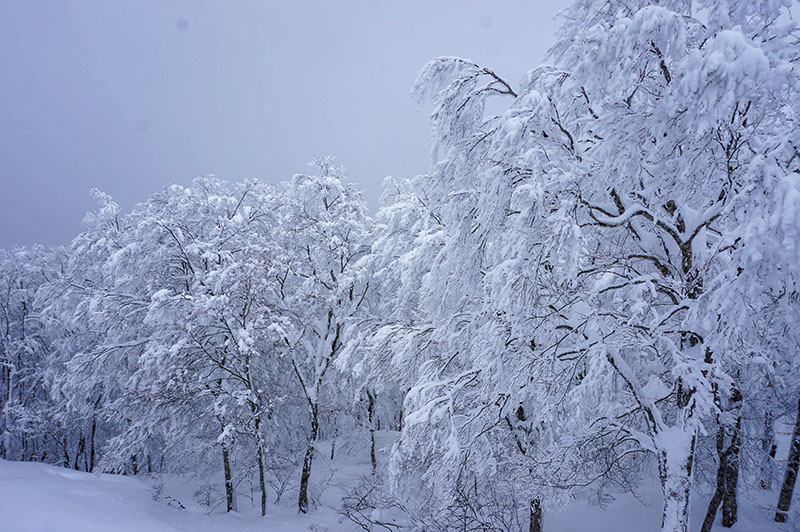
{"points": [[36, 497], [627, 514], [40, 498]]}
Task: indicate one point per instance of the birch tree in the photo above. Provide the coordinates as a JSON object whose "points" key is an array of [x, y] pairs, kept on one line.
{"points": [[323, 221]]}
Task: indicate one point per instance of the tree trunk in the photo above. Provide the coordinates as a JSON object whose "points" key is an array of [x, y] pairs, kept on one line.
{"points": [[81, 449], [675, 469], [371, 411], [728, 469], [91, 444], [535, 523], [768, 447], [730, 505], [261, 482], [716, 499], [262, 485], [228, 480], [785, 497], [66, 453], [729, 501], [94, 432], [6, 406], [302, 500], [134, 464]]}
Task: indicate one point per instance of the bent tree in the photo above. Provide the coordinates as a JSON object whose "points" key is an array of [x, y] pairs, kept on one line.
{"points": [[642, 144]]}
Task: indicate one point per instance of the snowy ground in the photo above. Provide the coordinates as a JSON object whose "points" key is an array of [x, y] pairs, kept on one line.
{"points": [[40, 498], [627, 514]]}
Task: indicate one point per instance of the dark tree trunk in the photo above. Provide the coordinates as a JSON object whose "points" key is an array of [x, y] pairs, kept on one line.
{"points": [[261, 482], [94, 433], [302, 500], [729, 501], [730, 504], [371, 412], [79, 451], [66, 453], [26, 447], [134, 464], [44, 449], [91, 444], [716, 499], [727, 481], [768, 447], [785, 497], [262, 485], [226, 463], [535, 523], [728, 469], [6, 373]]}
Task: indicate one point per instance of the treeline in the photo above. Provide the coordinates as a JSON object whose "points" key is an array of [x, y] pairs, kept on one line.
{"points": [[195, 333], [596, 287]]}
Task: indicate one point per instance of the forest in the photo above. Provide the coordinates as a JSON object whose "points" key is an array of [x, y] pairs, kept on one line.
{"points": [[595, 287]]}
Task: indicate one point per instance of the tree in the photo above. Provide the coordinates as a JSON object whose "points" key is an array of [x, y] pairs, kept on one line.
{"points": [[323, 223], [600, 215], [29, 428], [183, 302]]}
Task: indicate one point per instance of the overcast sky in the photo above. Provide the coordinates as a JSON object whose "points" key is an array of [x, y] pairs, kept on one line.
{"points": [[130, 96]]}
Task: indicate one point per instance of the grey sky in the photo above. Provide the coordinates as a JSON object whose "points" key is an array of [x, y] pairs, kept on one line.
{"points": [[129, 96]]}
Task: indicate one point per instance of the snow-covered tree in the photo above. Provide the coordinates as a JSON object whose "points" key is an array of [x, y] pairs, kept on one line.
{"points": [[588, 225], [179, 316], [323, 223], [29, 424]]}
